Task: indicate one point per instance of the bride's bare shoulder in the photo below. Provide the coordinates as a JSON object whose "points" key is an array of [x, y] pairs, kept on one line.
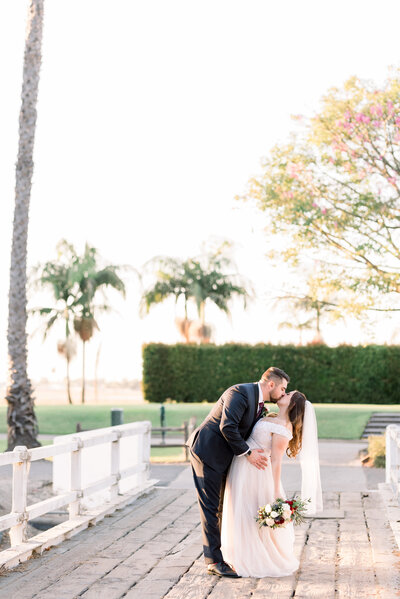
{"points": [[274, 416]]}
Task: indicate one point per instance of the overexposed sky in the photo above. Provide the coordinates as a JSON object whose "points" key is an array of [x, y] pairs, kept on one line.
{"points": [[152, 116]]}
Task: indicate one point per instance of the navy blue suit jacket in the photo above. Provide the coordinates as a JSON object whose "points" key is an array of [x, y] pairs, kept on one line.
{"points": [[224, 432]]}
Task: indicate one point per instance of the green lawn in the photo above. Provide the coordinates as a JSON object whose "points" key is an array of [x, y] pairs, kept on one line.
{"points": [[335, 421]]}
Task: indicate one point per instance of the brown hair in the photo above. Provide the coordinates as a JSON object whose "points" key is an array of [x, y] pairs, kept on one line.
{"points": [[274, 373], [296, 415]]}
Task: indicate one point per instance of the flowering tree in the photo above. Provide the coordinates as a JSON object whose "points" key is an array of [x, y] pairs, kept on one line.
{"points": [[336, 187]]}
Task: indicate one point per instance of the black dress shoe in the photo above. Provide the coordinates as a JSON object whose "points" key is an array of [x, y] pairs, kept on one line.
{"points": [[222, 569]]}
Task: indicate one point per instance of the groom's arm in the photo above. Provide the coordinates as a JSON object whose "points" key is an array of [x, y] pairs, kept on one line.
{"points": [[235, 405]]}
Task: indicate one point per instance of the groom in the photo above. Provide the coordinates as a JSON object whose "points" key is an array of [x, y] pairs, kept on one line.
{"points": [[213, 444]]}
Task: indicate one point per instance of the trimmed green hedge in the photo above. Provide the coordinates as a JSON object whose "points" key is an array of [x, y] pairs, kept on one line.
{"points": [[344, 374]]}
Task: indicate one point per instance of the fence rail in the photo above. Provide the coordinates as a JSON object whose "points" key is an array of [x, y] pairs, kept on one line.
{"points": [[393, 458], [73, 497], [187, 428]]}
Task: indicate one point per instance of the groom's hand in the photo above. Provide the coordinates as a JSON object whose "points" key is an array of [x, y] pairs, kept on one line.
{"points": [[258, 459]]}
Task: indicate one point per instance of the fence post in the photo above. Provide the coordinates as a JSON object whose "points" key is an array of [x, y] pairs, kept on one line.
{"points": [[117, 416], [185, 438], [162, 424], [19, 493], [115, 463], [392, 457], [74, 507], [192, 424], [146, 440]]}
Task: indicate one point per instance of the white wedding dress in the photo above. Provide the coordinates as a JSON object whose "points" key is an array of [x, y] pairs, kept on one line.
{"points": [[255, 551]]}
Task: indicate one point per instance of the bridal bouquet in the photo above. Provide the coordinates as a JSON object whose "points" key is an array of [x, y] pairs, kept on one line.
{"points": [[281, 512]]}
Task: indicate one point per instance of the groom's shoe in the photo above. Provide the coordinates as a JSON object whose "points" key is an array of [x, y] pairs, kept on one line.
{"points": [[222, 569]]}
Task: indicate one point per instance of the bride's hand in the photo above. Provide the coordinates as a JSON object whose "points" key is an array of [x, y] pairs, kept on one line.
{"points": [[258, 459]]}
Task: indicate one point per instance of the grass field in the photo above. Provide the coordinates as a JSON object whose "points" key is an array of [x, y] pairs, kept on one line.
{"points": [[335, 421]]}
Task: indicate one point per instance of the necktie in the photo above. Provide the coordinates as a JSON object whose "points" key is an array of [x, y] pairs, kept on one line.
{"points": [[260, 407]]}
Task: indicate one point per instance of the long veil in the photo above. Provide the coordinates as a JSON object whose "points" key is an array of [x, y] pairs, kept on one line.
{"points": [[309, 460]]}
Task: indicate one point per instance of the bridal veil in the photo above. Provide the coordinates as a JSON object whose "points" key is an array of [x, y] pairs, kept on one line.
{"points": [[309, 461]]}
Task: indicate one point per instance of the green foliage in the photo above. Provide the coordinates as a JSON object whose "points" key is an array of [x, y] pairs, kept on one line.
{"points": [[344, 374], [377, 450]]}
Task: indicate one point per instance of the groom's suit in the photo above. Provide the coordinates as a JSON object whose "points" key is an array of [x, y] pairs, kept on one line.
{"points": [[212, 445]]}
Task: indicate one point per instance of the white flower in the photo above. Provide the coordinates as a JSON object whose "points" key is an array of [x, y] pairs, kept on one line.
{"points": [[270, 522], [287, 514], [274, 514], [267, 508], [285, 507]]}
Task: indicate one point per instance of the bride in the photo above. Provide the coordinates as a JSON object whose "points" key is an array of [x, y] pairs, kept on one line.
{"points": [[260, 552]]}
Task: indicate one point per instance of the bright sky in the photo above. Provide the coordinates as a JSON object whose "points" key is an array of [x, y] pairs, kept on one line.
{"points": [[152, 116]]}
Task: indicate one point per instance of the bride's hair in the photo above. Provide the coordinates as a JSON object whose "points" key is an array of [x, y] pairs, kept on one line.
{"points": [[296, 414]]}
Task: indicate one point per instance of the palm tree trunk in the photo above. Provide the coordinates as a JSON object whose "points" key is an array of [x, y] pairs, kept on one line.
{"points": [[318, 321], [67, 355], [83, 372], [68, 381], [96, 371], [22, 423], [202, 314]]}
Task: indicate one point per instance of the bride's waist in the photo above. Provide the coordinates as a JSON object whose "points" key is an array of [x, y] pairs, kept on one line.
{"points": [[253, 445]]}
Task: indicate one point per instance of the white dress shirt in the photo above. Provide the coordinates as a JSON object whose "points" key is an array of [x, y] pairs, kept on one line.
{"points": [[260, 401]]}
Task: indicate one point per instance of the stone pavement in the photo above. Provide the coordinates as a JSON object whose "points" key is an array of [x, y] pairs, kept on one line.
{"points": [[152, 548]]}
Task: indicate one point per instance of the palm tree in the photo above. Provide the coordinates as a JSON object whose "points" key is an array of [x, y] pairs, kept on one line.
{"points": [[74, 281], [201, 279], [170, 281], [62, 277], [209, 283], [92, 279], [21, 419]]}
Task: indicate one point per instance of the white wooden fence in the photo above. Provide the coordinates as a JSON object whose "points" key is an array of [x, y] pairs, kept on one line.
{"points": [[393, 458], [76, 491]]}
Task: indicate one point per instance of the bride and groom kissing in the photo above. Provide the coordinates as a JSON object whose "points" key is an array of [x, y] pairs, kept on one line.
{"points": [[236, 456]]}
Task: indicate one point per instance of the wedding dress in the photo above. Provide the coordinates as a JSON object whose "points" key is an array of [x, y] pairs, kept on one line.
{"points": [[255, 551]]}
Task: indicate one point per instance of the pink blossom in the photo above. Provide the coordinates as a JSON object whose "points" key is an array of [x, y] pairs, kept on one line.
{"points": [[359, 117], [347, 115], [377, 110], [323, 210], [392, 180], [293, 170], [347, 126], [397, 120], [397, 136], [390, 108], [377, 123], [315, 205]]}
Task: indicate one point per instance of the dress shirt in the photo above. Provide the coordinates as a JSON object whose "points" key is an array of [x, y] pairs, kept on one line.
{"points": [[260, 400]]}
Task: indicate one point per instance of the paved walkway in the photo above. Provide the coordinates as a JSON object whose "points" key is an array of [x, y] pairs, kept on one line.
{"points": [[152, 548]]}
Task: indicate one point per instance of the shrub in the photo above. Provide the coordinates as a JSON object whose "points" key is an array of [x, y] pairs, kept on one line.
{"points": [[377, 450], [344, 374]]}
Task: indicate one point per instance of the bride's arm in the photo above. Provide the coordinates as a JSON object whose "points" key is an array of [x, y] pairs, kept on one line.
{"points": [[278, 448]]}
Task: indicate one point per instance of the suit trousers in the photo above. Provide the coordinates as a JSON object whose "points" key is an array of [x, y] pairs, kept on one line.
{"points": [[210, 487]]}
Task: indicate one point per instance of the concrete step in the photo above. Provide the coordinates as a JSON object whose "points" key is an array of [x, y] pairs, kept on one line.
{"points": [[381, 421], [396, 414], [378, 422]]}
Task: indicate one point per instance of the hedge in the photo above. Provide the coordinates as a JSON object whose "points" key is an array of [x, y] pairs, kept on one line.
{"points": [[344, 374]]}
